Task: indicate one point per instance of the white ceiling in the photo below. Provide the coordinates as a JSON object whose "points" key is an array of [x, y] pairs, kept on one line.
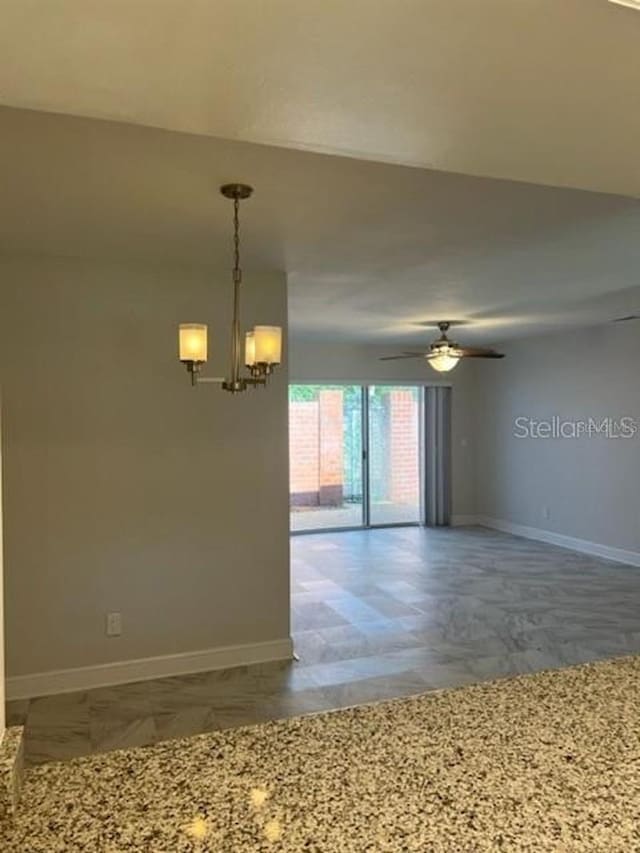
{"points": [[372, 250], [544, 91], [536, 90]]}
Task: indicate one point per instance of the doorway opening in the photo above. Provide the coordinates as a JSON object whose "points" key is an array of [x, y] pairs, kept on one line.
{"points": [[355, 456]]}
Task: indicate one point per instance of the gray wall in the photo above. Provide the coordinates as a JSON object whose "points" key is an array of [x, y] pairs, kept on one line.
{"points": [[312, 361], [591, 486], [126, 489]]}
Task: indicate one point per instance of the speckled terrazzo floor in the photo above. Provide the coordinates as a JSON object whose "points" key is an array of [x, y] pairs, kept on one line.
{"points": [[545, 762]]}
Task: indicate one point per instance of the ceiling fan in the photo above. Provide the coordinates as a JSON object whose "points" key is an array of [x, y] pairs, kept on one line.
{"points": [[444, 354]]}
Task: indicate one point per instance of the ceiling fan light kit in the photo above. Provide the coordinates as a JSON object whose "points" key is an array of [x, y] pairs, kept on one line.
{"points": [[444, 354], [263, 344], [443, 361]]}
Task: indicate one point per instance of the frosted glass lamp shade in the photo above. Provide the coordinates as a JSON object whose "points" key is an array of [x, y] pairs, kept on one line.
{"points": [[250, 349], [268, 344], [193, 342], [443, 362]]}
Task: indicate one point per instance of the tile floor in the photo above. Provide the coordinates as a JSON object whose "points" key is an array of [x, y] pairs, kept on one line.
{"points": [[376, 614]]}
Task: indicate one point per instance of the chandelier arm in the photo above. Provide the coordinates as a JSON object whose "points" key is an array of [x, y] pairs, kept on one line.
{"points": [[209, 380]]}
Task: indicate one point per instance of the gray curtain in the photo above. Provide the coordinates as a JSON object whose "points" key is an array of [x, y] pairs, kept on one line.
{"points": [[437, 456]]}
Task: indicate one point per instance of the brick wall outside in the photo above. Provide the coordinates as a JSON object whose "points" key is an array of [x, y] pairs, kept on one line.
{"points": [[403, 446], [304, 468], [316, 450], [331, 447]]}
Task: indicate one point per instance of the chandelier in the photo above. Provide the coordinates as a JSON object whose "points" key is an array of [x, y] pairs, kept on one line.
{"points": [[263, 344]]}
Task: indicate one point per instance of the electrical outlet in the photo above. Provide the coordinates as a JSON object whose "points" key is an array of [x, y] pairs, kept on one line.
{"points": [[546, 513], [114, 624]]}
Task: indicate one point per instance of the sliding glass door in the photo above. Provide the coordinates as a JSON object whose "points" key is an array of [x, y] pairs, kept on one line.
{"points": [[354, 456]]}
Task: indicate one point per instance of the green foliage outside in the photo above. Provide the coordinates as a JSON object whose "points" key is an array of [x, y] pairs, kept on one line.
{"points": [[303, 393], [309, 393]]}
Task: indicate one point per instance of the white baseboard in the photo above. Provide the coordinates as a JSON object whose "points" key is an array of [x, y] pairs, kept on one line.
{"points": [[143, 669], [584, 546]]}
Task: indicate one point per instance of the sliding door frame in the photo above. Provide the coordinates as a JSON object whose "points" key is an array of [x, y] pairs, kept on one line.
{"points": [[366, 455], [365, 458]]}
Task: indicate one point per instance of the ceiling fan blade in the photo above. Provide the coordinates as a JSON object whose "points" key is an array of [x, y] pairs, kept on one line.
{"points": [[404, 355], [476, 352]]}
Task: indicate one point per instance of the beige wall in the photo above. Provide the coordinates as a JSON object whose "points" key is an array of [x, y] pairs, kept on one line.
{"points": [[125, 489], [312, 361], [590, 486]]}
